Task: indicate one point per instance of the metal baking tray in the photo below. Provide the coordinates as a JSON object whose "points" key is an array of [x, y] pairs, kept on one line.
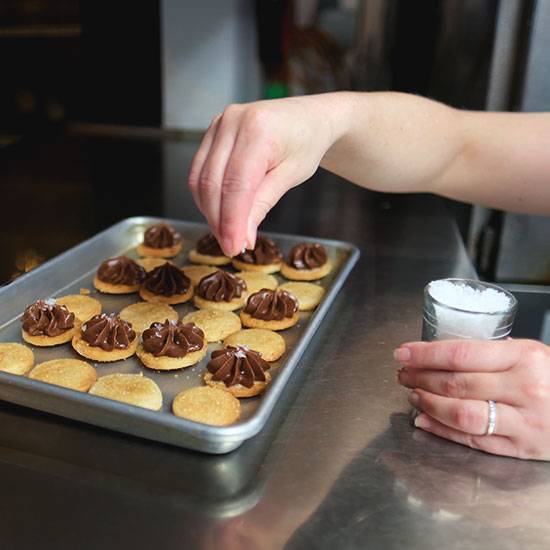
{"points": [[74, 269]]}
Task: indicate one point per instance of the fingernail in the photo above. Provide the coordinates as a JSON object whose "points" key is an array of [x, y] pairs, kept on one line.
{"points": [[402, 355], [400, 373], [421, 421], [414, 398]]}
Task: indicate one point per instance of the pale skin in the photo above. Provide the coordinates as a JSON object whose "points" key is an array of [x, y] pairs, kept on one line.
{"points": [[253, 153]]}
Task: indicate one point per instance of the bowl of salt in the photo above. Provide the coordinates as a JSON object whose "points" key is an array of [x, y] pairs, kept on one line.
{"points": [[466, 309]]}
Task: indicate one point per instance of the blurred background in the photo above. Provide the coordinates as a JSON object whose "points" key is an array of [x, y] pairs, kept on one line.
{"points": [[102, 103]]}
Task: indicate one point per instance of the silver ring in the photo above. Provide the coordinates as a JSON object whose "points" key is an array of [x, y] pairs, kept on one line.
{"points": [[492, 422]]}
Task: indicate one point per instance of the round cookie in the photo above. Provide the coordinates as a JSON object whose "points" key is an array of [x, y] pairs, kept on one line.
{"points": [[198, 258], [306, 274], [266, 268], [168, 252], [15, 358], [133, 389], [239, 390], [108, 288], [197, 272], [251, 322], [84, 307], [142, 315], [208, 405], [97, 354], [232, 305], [150, 263], [215, 324], [255, 281], [309, 295], [47, 341], [268, 343], [170, 363], [69, 373], [160, 299]]}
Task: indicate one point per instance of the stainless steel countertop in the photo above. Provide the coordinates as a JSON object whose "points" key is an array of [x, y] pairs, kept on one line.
{"points": [[341, 468]]}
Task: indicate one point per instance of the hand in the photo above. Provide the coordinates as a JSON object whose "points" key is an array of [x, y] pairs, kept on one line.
{"points": [[251, 155], [453, 379]]}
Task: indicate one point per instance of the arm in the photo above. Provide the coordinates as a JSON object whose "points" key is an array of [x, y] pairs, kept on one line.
{"points": [[252, 154]]}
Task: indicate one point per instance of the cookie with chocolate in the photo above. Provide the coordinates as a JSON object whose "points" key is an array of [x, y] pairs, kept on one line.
{"points": [[15, 358], [220, 290], [172, 345], [208, 251], [106, 337], [207, 405], [47, 323], [270, 309], [120, 275], [238, 370], [166, 284], [265, 257], [160, 241], [307, 262], [68, 373], [134, 389], [268, 343]]}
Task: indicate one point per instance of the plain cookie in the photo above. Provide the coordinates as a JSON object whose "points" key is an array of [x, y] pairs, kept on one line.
{"points": [[309, 295], [207, 405], [133, 389], [84, 307], [16, 358], [269, 344], [143, 314], [69, 373], [215, 324]]}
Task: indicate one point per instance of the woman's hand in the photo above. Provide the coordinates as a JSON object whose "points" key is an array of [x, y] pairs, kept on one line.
{"points": [[452, 381], [252, 154]]}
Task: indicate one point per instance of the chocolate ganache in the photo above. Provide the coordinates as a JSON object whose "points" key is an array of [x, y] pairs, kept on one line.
{"points": [[271, 305], [108, 332], [161, 235], [46, 318], [173, 339], [307, 256], [121, 271], [237, 365], [167, 280], [221, 286], [208, 246], [265, 252]]}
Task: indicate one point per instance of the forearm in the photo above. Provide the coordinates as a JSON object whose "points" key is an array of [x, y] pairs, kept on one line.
{"points": [[402, 143]]}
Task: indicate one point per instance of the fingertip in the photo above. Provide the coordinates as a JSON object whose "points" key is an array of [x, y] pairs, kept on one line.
{"points": [[402, 354]]}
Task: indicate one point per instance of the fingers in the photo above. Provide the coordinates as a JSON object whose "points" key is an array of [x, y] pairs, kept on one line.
{"points": [[495, 444], [461, 355], [466, 415], [461, 385]]}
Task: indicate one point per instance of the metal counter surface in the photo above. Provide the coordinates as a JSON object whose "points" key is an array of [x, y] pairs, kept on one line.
{"points": [[340, 467]]}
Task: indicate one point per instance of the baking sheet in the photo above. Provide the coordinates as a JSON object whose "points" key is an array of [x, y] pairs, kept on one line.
{"points": [[74, 269]]}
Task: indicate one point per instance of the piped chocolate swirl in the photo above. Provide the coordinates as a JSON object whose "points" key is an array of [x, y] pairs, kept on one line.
{"points": [[221, 286], [46, 318], [121, 271], [108, 332], [167, 280], [271, 305], [173, 339], [265, 252], [208, 245], [237, 365], [307, 256], [161, 235]]}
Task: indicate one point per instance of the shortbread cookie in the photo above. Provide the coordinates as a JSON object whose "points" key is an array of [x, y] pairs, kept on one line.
{"points": [[270, 309], [265, 257], [106, 338], [69, 373], [255, 281], [207, 405], [84, 307], [15, 358], [46, 323], [238, 370], [221, 290], [134, 389], [197, 272], [208, 251], [309, 295], [307, 262], [120, 275], [143, 314], [269, 344], [167, 284], [172, 345], [160, 241], [215, 324], [150, 263]]}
